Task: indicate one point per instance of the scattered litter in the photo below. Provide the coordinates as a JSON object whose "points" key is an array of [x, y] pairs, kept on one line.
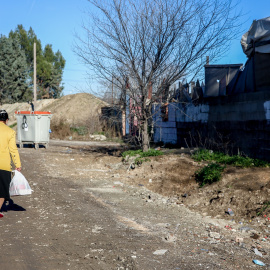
{"points": [[230, 212], [160, 252], [150, 180], [258, 262], [245, 229], [239, 239], [170, 238], [131, 166], [257, 252], [255, 236], [72, 159], [118, 183], [141, 185]]}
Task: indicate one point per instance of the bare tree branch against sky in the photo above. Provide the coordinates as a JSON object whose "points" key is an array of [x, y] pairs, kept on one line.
{"points": [[55, 22], [154, 43]]}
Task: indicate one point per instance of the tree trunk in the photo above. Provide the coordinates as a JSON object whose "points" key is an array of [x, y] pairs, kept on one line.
{"points": [[145, 137]]}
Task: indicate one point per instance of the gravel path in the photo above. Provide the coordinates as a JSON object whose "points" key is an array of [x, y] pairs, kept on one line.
{"points": [[84, 215]]}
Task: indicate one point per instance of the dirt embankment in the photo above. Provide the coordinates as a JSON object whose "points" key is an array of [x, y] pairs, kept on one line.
{"points": [[245, 191], [78, 111], [73, 109]]}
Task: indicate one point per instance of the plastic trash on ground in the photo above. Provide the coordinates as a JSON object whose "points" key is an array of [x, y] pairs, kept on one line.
{"points": [[258, 262]]}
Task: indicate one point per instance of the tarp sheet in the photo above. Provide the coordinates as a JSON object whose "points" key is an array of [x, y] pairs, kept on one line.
{"points": [[257, 38]]}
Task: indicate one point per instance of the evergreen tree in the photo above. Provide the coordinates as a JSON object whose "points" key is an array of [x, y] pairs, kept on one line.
{"points": [[50, 65], [14, 86], [50, 72]]}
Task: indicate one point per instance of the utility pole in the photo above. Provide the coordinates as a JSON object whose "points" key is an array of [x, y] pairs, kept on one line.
{"points": [[35, 77]]}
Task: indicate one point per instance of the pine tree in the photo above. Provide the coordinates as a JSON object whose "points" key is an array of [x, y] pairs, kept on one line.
{"points": [[50, 65], [14, 86]]}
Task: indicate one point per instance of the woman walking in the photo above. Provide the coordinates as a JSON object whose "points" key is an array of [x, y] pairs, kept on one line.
{"points": [[8, 152]]}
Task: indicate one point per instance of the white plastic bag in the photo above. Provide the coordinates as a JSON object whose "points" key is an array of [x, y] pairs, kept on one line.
{"points": [[19, 185]]}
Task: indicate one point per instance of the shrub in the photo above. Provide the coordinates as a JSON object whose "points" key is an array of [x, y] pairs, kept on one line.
{"points": [[209, 174], [237, 160], [149, 153], [60, 130], [141, 156], [82, 130]]}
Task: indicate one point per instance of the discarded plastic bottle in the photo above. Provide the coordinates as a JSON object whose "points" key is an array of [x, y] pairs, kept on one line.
{"points": [[230, 211], [258, 262]]}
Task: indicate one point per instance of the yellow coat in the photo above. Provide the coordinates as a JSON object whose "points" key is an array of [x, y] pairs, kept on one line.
{"points": [[8, 148]]}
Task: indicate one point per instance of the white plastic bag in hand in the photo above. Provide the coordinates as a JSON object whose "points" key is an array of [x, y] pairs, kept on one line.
{"points": [[19, 185]]}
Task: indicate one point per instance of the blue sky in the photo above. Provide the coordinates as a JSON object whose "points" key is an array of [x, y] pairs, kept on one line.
{"points": [[56, 21]]}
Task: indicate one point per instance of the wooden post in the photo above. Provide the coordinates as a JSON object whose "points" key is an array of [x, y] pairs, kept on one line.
{"points": [[112, 91], [35, 77], [124, 108], [207, 60]]}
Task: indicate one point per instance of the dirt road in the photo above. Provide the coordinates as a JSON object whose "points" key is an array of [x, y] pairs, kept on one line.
{"points": [[84, 213]]}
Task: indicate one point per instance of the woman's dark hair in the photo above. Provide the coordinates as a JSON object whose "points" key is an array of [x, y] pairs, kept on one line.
{"points": [[3, 115]]}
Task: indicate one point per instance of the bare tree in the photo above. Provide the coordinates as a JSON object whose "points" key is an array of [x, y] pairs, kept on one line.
{"points": [[149, 44]]}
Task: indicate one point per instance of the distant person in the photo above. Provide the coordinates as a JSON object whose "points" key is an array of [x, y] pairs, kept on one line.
{"points": [[8, 151]]}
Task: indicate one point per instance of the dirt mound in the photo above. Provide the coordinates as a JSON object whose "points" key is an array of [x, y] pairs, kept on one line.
{"points": [[78, 110], [75, 109], [24, 106], [245, 191]]}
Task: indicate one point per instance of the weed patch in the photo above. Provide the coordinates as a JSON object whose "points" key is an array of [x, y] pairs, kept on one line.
{"points": [[266, 205], [236, 160], [149, 153], [82, 130], [141, 156], [209, 174]]}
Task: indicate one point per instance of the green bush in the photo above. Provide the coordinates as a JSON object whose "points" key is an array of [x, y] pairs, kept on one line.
{"points": [[209, 174], [149, 153], [237, 160], [80, 130], [142, 156]]}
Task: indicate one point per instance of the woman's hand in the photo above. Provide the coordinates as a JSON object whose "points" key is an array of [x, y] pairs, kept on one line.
{"points": [[18, 169]]}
